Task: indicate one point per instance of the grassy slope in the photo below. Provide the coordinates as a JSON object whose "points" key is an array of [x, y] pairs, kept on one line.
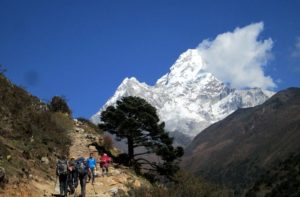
{"points": [[237, 150], [283, 179], [28, 132]]}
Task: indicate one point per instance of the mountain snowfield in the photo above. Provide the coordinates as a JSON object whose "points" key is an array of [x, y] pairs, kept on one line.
{"points": [[188, 98]]}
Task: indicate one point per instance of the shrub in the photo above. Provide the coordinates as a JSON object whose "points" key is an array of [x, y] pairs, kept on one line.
{"points": [[62, 122], [186, 185], [59, 104]]}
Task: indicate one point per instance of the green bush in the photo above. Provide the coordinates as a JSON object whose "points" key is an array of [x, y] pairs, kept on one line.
{"points": [[59, 104], [62, 122], [29, 131], [185, 185]]}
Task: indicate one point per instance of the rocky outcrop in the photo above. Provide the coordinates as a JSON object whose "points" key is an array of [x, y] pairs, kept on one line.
{"points": [[3, 179]]}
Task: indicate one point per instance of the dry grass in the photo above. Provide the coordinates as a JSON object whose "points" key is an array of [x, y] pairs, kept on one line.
{"points": [[29, 131]]}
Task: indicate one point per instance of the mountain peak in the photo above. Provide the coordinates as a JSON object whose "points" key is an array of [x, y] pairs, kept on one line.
{"points": [[187, 67], [188, 98], [130, 80]]}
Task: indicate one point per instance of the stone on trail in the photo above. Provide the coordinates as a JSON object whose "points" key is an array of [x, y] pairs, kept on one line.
{"points": [[137, 184], [113, 190], [45, 160]]}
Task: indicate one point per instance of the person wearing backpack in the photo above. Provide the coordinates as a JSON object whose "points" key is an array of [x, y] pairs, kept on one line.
{"points": [[72, 175], [62, 173], [91, 161], [82, 170], [104, 163]]}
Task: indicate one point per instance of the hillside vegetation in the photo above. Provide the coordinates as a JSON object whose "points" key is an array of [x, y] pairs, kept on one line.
{"points": [[283, 179], [31, 136], [34, 134], [247, 144]]}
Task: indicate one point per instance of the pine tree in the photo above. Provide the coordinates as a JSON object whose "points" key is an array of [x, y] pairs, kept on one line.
{"points": [[136, 120], [59, 104]]}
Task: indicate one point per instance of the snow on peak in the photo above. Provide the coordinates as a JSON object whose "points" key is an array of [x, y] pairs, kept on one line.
{"points": [[189, 98], [129, 80], [187, 67]]}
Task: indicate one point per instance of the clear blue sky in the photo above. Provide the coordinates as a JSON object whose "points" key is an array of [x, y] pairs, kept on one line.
{"points": [[84, 49]]}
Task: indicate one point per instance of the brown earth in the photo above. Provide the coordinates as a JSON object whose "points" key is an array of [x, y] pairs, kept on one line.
{"points": [[119, 179], [104, 185], [32, 136]]}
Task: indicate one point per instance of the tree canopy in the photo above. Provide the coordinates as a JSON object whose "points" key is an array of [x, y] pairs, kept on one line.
{"points": [[134, 119], [59, 104]]}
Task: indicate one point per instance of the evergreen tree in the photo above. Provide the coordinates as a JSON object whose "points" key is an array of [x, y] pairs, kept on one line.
{"points": [[136, 120], [59, 104]]}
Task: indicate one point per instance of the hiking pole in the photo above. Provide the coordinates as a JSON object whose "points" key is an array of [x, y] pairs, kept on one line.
{"points": [[94, 190], [53, 194], [55, 183], [75, 195]]}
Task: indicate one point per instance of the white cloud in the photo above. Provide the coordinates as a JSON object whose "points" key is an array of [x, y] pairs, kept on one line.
{"points": [[296, 51], [238, 57]]}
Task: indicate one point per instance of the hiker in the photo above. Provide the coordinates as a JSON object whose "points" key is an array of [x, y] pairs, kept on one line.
{"points": [[72, 175], [104, 163], [62, 173], [82, 170], [91, 161]]}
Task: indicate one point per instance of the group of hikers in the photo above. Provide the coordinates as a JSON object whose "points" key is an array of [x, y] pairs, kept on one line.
{"points": [[72, 170]]}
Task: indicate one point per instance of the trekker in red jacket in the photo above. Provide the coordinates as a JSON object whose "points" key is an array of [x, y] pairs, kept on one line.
{"points": [[104, 163]]}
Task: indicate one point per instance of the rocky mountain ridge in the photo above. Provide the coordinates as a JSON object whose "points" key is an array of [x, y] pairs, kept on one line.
{"points": [[237, 150], [188, 98]]}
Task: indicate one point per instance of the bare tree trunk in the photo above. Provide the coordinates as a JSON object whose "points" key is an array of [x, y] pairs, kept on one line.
{"points": [[130, 150]]}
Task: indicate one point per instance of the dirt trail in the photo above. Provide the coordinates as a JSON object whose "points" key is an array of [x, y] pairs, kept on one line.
{"points": [[103, 185]]}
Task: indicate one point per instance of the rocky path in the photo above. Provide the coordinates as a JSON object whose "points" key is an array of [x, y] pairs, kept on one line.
{"points": [[103, 185], [41, 185]]}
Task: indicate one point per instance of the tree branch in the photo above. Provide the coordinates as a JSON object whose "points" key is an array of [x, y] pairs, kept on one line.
{"points": [[146, 162], [150, 169], [144, 153]]}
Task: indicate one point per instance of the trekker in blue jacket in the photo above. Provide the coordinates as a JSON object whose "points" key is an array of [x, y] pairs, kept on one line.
{"points": [[91, 162]]}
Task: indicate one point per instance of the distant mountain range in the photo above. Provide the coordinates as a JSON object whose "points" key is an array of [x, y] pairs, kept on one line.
{"points": [[189, 98], [238, 150]]}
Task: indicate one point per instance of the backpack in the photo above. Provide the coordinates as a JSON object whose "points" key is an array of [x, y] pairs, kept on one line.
{"points": [[81, 167], [62, 167]]}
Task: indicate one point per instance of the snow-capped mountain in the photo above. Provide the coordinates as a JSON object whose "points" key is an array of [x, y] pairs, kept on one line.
{"points": [[189, 98]]}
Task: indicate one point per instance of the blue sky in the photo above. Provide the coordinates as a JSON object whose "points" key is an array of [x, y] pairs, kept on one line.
{"points": [[84, 49]]}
